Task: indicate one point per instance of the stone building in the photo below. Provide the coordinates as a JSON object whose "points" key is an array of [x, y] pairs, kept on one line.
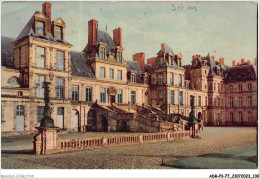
{"points": [[99, 90]]}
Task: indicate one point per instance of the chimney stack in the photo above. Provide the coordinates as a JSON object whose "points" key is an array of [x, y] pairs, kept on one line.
{"points": [[221, 61], [255, 61], [46, 9], [163, 46], [234, 63], [117, 36], [140, 58], [151, 61], [92, 34], [214, 59], [249, 62], [243, 61]]}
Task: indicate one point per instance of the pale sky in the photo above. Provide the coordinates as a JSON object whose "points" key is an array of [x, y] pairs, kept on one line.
{"points": [[224, 29]]}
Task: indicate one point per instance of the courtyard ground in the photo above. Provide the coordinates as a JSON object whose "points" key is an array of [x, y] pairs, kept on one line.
{"points": [[17, 151]]}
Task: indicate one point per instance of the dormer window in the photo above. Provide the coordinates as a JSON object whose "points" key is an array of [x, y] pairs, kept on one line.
{"points": [[58, 33], [40, 28], [102, 53], [133, 78], [119, 57]]}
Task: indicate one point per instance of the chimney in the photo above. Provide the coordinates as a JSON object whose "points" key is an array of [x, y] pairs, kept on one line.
{"points": [[249, 62], [234, 63], [46, 9], [243, 61], [238, 63], [151, 61], [221, 61], [255, 61], [117, 36], [163, 46], [214, 59], [140, 58], [92, 34]]}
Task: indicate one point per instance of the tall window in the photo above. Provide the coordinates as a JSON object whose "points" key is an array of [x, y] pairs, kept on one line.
{"points": [[172, 97], [240, 88], [102, 95], [133, 97], [231, 117], [111, 74], [239, 101], [206, 101], [240, 116], [40, 28], [40, 110], [102, 53], [88, 94], [58, 33], [133, 78], [75, 93], [160, 79], [249, 101], [40, 57], [160, 94], [214, 86], [231, 88], [19, 110], [119, 75], [119, 56], [119, 97], [39, 87], [60, 88], [218, 102], [180, 98], [180, 80], [102, 72], [231, 102], [199, 101], [171, 79], [60, 61], [249, 116], [249, 86]]}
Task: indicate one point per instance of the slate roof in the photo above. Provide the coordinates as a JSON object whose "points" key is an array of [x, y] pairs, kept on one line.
{"points": [[7, 52], [103, 36], [80, 66], [168, 50], [28, 31], [135, 66], [213, 67], [241, 73]]}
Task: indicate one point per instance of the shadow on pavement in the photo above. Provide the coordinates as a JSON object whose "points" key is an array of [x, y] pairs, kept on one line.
{"points": [[29, 152]]}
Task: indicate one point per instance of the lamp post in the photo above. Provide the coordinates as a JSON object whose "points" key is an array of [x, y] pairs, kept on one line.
{"points": [[192, 119], [47, 121]]}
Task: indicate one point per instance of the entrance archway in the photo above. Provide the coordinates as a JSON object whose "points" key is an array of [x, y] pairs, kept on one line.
{"points": [[112, 99], [91, 120], [75, 120], [124, 126], [104, 123], [200, 116]]}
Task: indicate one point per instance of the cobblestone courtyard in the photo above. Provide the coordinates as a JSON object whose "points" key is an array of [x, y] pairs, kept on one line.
{"points": [[145, 156]]}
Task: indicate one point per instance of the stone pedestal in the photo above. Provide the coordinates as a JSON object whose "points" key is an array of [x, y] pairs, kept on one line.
{"points": [[46, 141], [193, 132]]}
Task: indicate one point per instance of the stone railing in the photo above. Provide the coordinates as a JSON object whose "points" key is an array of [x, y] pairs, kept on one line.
{"points": [[83, 144]]}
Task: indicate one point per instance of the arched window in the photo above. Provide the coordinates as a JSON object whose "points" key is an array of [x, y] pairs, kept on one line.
{"points": [[13, 80]]}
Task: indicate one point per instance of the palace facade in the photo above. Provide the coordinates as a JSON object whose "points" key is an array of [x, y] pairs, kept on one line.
{"points": [[98, 89]]}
